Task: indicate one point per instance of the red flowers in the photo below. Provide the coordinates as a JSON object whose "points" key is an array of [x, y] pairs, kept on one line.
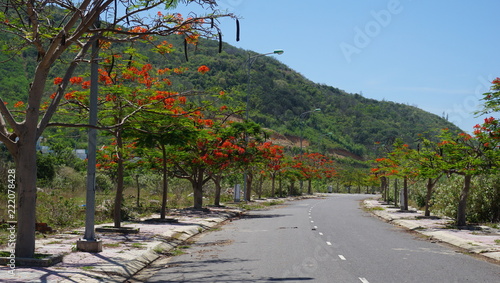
{"points": [[58, 81], [76, 80], [203, 69]]}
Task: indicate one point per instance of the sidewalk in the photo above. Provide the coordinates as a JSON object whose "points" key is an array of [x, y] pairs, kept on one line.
{"points": [[482, 240], [123, 255]]}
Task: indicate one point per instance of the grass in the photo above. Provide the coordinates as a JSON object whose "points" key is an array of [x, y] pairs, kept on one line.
{"points": [[179, 251], [497, 241], [138, 245], [37, 255], [111, 245], [374, 208]]}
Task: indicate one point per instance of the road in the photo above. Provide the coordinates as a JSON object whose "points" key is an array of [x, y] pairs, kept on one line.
{"points": [[320, 240]]}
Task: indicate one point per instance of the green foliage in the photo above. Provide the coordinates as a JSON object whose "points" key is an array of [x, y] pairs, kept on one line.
{"points": [[68, 178], [484, 198], [279, 95], [58, 211], [46, 170]]}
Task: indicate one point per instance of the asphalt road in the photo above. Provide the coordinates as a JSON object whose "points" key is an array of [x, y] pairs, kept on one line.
{"points": [[320, 240]]}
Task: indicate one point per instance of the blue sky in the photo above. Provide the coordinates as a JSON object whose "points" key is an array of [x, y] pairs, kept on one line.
{"points": [[437, 55]]}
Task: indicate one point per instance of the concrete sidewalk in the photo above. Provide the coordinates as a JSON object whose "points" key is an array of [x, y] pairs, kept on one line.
{"points": [[482, 240], [123, 255]]}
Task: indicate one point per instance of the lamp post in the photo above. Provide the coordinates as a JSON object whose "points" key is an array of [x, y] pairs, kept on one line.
{"points": [[249, 62]]}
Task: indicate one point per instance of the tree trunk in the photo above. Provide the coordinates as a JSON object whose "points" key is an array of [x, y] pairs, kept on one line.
{"points": [[462, 204], [248, 193], [396, 192], [197, 182], [309, 187], [218, 188], [117, 214], [495, 204], [26, 200], [430, 185], [198, 195], [273, 180], [405, 193], [280, 186], [165, 183]]}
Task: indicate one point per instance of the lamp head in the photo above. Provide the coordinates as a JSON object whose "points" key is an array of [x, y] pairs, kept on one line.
{"points": [[278, 51]]}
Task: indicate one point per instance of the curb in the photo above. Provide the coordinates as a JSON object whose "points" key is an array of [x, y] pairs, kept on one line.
{"points": [[178, 236], [439, 235]]}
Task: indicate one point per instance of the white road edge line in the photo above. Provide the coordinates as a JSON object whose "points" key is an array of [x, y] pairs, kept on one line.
{"points": [[363, 280], [342, 257]]}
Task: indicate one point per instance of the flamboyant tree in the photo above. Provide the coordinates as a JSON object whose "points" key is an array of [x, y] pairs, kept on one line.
{"points": [[54, 30], [463, 155], [218, 147], [273, 158], [135, 95], [491, 99], [314, 166], [164, 124]]}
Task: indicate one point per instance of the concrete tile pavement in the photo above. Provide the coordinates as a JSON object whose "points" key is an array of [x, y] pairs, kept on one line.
{"points": [[481, 240], [123, 255]]}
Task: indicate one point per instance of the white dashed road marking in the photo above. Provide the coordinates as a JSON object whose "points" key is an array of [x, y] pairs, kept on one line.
{"points": [[342, 257]]}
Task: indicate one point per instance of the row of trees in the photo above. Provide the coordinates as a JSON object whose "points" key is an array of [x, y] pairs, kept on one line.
{"points": [[462, 154], [65, 31], [191, 134]]}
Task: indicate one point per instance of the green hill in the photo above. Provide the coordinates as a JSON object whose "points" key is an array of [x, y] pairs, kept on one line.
{"points": [[348, 124], [279, 95]]}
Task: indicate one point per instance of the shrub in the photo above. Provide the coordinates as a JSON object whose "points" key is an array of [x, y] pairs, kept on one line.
{"points": [[59, 211]]}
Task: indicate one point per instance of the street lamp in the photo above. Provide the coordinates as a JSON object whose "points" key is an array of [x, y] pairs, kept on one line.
{"points": [[249, 62]]}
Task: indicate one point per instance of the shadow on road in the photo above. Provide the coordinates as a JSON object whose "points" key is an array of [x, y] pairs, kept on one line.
{"points": [[257, 216]]}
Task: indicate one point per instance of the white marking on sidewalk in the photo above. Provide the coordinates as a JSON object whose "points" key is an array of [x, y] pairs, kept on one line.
{"points": [[342, 257], [328, 243], [363, 280]]}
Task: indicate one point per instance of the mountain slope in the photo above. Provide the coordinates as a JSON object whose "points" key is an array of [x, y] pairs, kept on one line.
{"points": [[279, 98]]}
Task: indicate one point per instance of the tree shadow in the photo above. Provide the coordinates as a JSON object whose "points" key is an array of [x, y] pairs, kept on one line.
{"points": [[204, 271]]}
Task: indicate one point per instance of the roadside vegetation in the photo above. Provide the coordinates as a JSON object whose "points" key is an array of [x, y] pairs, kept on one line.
{"points": [[173, 132]]}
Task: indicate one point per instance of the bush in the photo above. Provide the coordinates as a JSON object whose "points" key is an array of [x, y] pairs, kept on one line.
{"points": [[69, 178], [103, 182], [483, 204], [45, 168], [59, 211], [484, 200]]}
